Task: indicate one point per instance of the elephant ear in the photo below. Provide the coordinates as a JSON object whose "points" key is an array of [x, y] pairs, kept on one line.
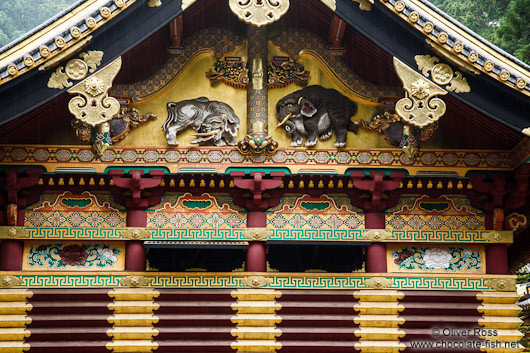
{"points": [[307, 108], [231, 126]]}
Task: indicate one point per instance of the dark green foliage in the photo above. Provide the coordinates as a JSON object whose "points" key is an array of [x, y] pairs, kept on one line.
{"points": [[505, 23], [20, 16]]}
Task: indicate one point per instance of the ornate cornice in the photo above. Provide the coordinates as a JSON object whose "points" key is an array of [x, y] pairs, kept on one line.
{"points": [[68, 34], [461, 46]]}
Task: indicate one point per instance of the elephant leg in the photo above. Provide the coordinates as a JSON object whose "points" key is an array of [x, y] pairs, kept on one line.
{"points": [[171, 136], [311, 140], [326, 135], [230, 141], [340, 140], [296, 140]]}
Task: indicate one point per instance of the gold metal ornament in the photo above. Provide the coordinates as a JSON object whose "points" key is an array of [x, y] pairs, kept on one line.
{"points": [[378, 282], [420, 107], [256, 281], [135, 281], [502, 284], [499, 236], [257, 73], [75, 69], [332, 4], [135, 233], [186, 4], [8, 281], [442, 74], [377, 235], [92, 105], [259, 12], [155, 3], [257, 234], [13, 232]]}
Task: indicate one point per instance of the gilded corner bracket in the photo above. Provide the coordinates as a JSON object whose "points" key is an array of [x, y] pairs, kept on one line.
{"points": [[442, 74]]}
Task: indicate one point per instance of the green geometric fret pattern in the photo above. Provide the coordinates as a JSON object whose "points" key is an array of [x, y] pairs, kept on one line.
{"points": [[235, 234], [279, 280]]}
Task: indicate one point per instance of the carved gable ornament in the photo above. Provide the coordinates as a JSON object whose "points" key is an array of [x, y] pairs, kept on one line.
{"points": [[420, 107], [92, 105], [259, 12]]}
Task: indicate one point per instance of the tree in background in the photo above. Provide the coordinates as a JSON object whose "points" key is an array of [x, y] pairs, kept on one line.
{"points": [[20, 16], [513, 34], [505, 23]]}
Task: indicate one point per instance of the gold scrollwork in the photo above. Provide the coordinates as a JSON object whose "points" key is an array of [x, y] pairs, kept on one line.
{"points": [[257, 234], [282, 74], [75, 69], [420, 107], [499, 236], [234, 74], [8, 281], [92, 105], [256, 281], [378, 282], [135, 233], [442, 74], [135, 281], [502, 284], [375, 235], [259, 12]]}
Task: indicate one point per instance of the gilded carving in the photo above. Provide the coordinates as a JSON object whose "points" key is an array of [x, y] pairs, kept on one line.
{"points": [[377, 235], [135, 233], [259, 12], [499, 236], [92, 105], [234, 74], [75, 69], [378, 282], [365, 5], [420, 107], [256, 281], [8, 281], [257, 234], [135, 281], [442, 74], [282, 74], [502, 284]]}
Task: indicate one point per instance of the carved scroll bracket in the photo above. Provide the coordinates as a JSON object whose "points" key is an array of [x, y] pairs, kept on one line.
{"points": [[92, 105], [259, 12]]}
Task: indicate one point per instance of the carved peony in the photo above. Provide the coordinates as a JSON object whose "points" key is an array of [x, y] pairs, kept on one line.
{"points": [[402, 256], [436, 258], [73, 255], [107, 254]]}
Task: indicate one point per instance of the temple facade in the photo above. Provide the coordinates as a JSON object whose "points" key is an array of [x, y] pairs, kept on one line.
{"points": [[261, 176]]}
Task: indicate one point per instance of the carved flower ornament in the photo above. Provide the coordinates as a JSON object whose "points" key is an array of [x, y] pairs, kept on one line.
{"points": [[420, 89], [73, 255], [437, 258], [94, 86]]}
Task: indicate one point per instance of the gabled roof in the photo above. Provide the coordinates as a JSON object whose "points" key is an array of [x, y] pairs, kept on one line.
{"points": [[499, 82]]}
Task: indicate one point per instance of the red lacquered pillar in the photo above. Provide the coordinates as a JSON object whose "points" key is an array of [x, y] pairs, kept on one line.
{"points": [[256, 253], [12, 253], [496, 254], [376, 252], [134, 249]]}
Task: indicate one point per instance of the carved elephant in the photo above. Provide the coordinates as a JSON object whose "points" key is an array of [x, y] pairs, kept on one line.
{"points": [[314, 112], [213, 121]]}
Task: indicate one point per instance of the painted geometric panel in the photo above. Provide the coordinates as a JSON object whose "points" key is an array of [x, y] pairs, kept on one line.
{"points": [[74, 256], [308, 212], [188, 211], [436, 259], [69, 210], [442, 213]]}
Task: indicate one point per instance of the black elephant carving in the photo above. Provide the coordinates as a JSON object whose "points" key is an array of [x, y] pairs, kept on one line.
{"points": [[314, 112]]}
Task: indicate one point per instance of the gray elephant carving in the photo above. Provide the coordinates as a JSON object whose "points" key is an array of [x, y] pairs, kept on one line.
{"points": [[213, 121], [314, 112]]}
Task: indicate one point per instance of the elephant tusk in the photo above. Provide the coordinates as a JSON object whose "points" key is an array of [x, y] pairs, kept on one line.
{"points": [[214, 132], [284, 120], [300, 100]]}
